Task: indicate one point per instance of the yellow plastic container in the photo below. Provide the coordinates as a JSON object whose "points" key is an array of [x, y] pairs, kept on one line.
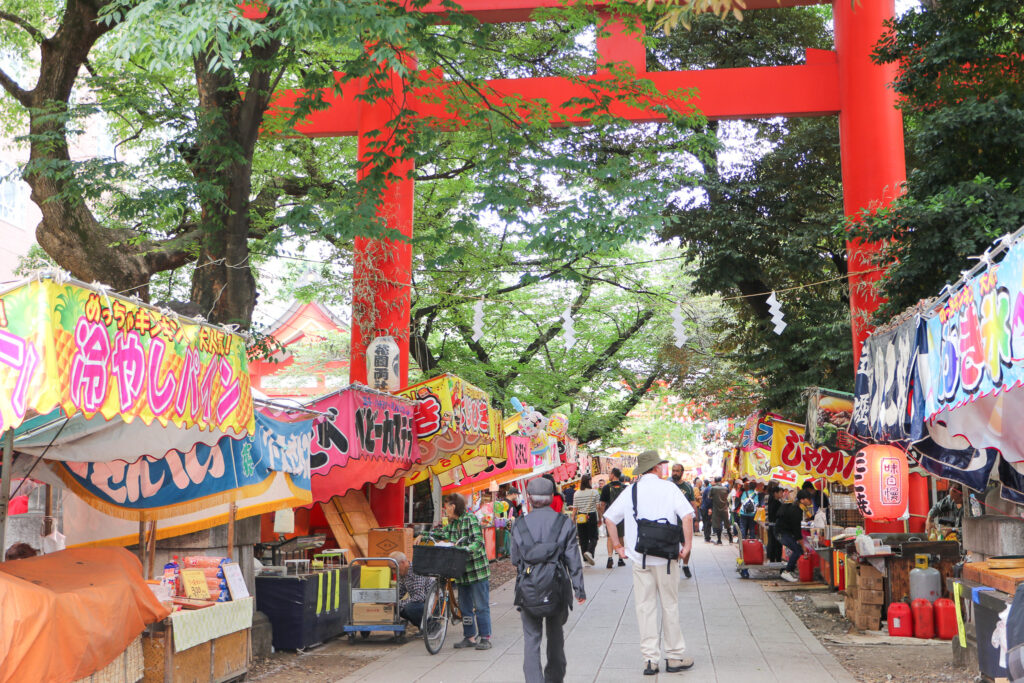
{"points": [[374, 577]]}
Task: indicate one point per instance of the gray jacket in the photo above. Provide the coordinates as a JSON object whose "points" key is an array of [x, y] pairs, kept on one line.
{"points": [[541, 523]]}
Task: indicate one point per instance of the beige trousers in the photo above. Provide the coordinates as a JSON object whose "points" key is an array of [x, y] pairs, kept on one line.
{"points": [[652, 586]]}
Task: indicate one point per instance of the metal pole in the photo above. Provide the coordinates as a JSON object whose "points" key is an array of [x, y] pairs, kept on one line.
{"points": [[48, 512], [5, 488]]}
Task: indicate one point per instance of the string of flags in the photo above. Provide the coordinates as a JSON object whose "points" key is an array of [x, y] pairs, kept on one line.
{"points": [[568, 329], [478, 320], [678, 322], [776, 310], [677, 326]]}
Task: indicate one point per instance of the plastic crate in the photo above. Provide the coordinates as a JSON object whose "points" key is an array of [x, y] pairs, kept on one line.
{"points": [[446, 562]]}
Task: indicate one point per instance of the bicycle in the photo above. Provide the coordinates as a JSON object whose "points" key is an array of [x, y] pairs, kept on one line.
{"points": [[441, 607]]}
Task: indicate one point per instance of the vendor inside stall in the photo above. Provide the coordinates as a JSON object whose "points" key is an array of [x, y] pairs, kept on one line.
{"points": [[948, 513]]}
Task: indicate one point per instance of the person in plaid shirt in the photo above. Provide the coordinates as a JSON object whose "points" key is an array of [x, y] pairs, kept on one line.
{"points": [[474, 587]]}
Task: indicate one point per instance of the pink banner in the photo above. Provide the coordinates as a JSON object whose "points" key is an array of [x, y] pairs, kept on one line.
{"points": [[368, 437]]}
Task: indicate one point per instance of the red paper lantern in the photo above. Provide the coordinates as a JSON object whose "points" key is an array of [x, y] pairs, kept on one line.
{"points": [[881, 479]]}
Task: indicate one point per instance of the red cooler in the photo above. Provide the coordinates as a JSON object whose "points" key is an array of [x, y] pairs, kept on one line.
{"points": [[753, 551]]}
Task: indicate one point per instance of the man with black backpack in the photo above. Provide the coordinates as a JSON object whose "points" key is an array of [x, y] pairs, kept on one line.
{"points": [[546, 555], [659, 530], [609, 493]]}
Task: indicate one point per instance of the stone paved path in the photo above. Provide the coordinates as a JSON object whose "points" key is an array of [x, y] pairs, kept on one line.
{"points": [[735, 631]]}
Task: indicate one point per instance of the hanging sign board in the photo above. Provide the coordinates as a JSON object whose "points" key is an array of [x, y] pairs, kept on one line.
{"points": [[790, 451], [93, 353]]}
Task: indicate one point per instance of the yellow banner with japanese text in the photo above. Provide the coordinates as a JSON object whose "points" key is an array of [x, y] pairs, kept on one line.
{"points": [[90, 352]]}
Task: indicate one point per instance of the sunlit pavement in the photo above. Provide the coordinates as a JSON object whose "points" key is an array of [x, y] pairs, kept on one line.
{"points": [[735, 632]]}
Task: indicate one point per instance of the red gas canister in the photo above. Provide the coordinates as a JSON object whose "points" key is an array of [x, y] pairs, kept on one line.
{"points": [[924, 619], [805, 565], [753, 551], [901, 621], [945, 618]]}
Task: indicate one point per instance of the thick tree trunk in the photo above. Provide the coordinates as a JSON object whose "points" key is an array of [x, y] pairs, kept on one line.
{"points": [[69, 231]]}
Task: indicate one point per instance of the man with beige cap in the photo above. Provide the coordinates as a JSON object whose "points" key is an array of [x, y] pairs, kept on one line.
{"points": [[654, 499]]}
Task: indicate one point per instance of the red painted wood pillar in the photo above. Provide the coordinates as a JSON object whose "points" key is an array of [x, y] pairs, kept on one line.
{"points": [[382, 272], [870, 139]]}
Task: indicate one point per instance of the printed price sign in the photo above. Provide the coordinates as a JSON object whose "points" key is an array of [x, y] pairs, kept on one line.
{"points": [[193, 581]]}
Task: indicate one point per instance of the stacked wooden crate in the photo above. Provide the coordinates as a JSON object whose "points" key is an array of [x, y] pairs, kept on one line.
{"points": [[865, 596]]}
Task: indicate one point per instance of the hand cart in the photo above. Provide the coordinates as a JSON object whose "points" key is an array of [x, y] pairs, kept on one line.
{"points": [[744, 568], [376, 596]]}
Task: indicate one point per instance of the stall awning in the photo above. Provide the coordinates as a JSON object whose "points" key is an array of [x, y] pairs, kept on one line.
{"points": [[368, 438]]}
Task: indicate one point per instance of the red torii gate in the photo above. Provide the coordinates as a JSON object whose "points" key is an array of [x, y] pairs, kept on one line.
{"points": [[844, 82]]}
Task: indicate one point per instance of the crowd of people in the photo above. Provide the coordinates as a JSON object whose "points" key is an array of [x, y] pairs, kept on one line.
{"points": [[638, 516]]}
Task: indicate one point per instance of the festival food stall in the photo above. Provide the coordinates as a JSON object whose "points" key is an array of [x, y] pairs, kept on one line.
{"points": [[144, 423], [362, 438], [942, 383]]}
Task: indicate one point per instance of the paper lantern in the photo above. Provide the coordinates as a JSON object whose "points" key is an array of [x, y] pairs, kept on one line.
{"points": [[558, 425], [881, 479], [382, 364]]}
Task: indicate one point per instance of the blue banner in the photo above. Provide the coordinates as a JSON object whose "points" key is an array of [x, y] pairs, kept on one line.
{"points": [[178, 482], [975, 345]]}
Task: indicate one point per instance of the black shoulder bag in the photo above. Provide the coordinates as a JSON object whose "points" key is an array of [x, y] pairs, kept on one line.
{"points": [[659, 538]]}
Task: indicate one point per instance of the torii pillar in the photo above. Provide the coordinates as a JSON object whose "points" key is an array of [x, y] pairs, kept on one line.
{"points": [[382, 269]]}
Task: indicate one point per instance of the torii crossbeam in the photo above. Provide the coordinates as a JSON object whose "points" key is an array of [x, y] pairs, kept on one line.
{"points": [[844, 82]]}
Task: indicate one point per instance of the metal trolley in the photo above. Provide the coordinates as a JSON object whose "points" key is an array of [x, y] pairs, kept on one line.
{"points": [[380, 596]]}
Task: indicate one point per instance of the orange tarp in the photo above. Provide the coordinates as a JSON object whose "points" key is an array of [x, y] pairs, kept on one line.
{"points": [[66, 615]]}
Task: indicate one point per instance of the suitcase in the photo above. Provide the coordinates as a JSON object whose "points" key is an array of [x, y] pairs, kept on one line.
{"points": [[753, 551]]}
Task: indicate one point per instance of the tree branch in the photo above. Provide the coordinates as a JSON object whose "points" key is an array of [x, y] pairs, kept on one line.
{"points": [[543, 338], [23, 24], [16, 91], [615, 418]]}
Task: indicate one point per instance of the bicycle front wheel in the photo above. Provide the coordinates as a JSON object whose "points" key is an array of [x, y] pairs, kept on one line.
{"points": [[435, 621]]}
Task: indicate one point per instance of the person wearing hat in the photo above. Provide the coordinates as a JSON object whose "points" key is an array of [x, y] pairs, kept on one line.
{"points": [[544, 525], [653, 584]]}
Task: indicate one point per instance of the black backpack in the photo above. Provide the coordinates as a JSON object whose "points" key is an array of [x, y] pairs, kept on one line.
{"points": [[614, 489], [542, 584], [659, 538], [749, 507]]}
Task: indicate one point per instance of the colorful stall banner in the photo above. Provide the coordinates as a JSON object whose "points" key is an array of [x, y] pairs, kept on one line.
{"points": [[976, 342], [757, 434], [953, 457], [887, 404], [367, 437], [828, 419], [453, 418], [180, 483], [87, 351], [787, 477], [790, 451]]}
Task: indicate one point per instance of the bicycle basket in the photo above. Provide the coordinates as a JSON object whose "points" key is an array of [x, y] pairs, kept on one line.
{"points": [[446, 562]]}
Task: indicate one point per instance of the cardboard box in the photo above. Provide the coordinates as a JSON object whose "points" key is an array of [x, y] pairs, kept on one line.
{"points": [[372, 613], [374, 577], [870, 597], [866, 571], [383, 542]]}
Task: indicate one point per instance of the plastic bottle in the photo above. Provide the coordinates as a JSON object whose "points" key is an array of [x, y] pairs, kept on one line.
{"points": [[900, 620], [924, 618], [975, 506], [172, 576], [945, 619]]}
